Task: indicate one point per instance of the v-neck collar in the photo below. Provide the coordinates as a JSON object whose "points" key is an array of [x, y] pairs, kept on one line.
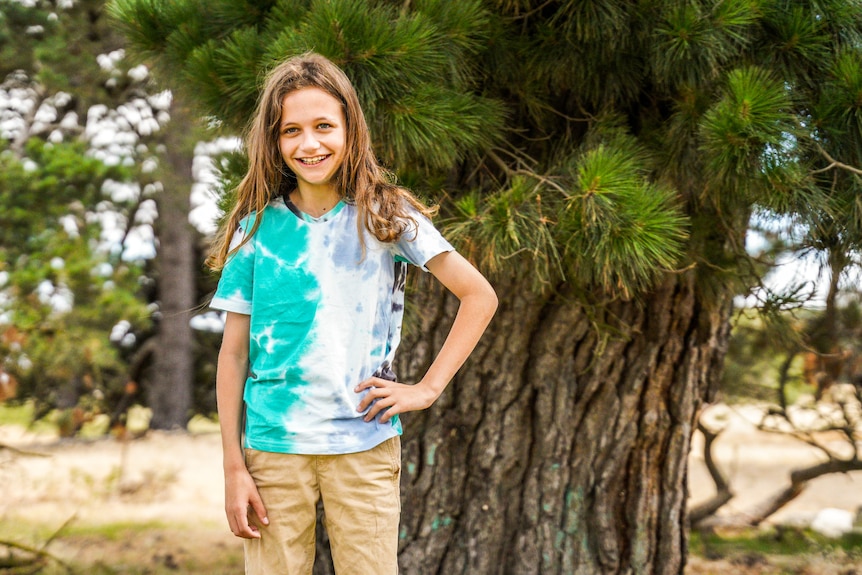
{"points": [[336, 209]]}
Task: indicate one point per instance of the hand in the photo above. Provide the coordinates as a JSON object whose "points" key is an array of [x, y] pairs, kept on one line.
{"points": [[392, 396], [241, 499]]}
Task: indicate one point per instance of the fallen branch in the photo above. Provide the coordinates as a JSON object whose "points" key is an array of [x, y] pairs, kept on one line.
{"points": [[39, 554], [723, 493], [703, 516], [799, 479], [19, 451]]}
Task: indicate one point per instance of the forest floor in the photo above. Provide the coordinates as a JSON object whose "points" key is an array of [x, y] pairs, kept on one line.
{"points": [[153, 505]]}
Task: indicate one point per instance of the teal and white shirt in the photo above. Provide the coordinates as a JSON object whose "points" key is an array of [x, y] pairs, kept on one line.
{"points": [[323, 318]]}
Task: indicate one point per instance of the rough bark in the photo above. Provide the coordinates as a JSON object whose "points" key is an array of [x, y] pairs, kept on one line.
{"points": [[561, 446], [169, 393]]}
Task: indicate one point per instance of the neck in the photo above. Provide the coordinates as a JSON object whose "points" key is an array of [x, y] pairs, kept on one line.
{"points": [[315, 201]]}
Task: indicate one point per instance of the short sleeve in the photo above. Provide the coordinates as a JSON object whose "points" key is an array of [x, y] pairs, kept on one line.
{"points": [[421, 241], [234, 291]]}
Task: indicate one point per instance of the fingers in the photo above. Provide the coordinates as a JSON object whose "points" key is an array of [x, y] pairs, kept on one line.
{"points": [[376, 389], [258, 508], [238, 519], [244, 507], [372, 383], [386, 403], [389, 398], [242, 524]]}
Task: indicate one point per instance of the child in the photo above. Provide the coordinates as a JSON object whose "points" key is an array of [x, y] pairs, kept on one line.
{"points": [[313, 271]]}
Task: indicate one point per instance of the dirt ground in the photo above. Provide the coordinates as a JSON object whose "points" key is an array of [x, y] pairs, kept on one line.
{"points": [[154, 505]]}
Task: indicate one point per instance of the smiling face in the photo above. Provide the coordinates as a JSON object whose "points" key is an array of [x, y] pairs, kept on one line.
{"points": [[312, 138]]}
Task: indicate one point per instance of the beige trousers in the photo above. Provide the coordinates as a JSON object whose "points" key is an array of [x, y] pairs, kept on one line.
{"points": [[362, 508]]}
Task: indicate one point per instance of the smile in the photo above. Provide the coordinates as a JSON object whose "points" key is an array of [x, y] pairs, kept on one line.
{"points": [[312, 161]]}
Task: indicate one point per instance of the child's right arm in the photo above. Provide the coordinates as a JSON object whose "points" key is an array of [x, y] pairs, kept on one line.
{"points": [[240, 490]]}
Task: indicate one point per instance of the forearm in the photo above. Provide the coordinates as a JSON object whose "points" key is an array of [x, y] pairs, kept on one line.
{"points": [[477, 307], [474, 314], [230, 382]]}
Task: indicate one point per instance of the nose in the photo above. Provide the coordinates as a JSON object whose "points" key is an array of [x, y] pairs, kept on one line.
{"points": [[309, 142]]}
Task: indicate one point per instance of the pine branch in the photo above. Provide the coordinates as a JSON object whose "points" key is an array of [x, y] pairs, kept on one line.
{"points": [[834, 163], [528, 173]]}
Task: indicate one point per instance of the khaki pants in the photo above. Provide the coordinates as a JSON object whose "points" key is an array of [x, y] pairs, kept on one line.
{"points": [[361, 501]]}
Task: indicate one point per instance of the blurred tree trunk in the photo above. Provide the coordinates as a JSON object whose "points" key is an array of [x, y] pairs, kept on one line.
{"points": [[170, 389]]}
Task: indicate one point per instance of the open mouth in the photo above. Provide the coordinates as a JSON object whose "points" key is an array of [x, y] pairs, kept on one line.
{"points": [[312, 161]]}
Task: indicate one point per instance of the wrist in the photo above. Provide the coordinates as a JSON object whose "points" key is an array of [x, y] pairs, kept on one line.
{"points": [[431, 389], [233, 463]]}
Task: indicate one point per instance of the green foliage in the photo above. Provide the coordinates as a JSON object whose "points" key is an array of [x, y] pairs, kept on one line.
{"points": [[719, 108], [841, 104], [750, 118], [797, 41], [395, 58], [15, 20], [619, 229], [509, 229], [694, 40], [63, 293], [76, 315], [60, 57]]}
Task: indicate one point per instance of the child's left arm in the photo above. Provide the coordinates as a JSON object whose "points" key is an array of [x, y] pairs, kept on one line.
{"points": [[478, 304]]}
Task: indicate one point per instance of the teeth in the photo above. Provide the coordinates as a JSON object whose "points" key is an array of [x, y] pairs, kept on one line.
{"points": [[312, 161]]}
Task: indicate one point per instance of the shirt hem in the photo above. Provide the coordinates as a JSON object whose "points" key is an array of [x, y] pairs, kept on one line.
{"points": [[306, 449], [229, 305], [422, 265]]}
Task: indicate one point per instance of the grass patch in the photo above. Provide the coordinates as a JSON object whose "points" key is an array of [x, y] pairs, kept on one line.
{"points": [[21, 415], [137, 421], [779, 540], [128, 548], [16, 414], [120, 531], [201, 424]]}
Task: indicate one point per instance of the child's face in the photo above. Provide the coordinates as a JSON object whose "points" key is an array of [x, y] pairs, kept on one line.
{"points": [[311, 139]]}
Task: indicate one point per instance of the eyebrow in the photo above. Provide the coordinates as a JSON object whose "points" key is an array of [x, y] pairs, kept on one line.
{"points": [[315, 120]]}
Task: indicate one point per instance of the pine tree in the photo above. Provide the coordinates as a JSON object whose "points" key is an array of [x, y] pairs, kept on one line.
{"points": [[65, 294], [76, 109], [602, 160]]}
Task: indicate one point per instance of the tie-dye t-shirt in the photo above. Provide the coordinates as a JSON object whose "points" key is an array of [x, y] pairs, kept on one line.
{"points": [[323, 318]]}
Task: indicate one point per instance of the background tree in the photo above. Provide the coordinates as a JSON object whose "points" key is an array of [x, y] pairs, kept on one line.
{"points": [[170, 388], [67, 287], [602, 160], [91, 151], [63, 296]]}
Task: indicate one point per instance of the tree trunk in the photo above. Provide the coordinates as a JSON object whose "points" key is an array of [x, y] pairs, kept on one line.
{"points": [[560, 448], [169, 393]]}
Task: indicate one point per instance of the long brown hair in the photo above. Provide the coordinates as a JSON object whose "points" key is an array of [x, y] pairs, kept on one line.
{"points": [[381, 203]]}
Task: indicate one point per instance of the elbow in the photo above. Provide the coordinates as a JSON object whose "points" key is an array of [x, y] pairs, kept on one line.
{"points": [[494, 302], [480, 304], [490, 301]]}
